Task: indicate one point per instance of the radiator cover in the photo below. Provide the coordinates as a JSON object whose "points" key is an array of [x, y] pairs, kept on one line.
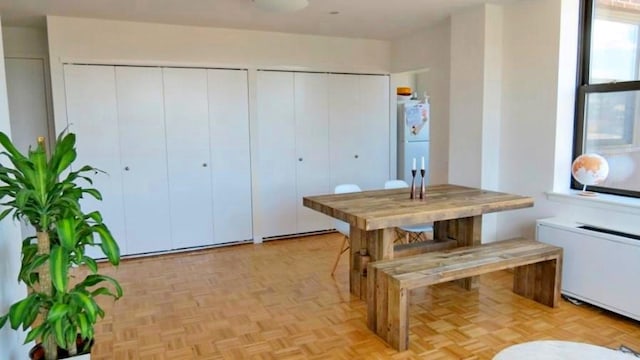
{"points": [[598, 268]]}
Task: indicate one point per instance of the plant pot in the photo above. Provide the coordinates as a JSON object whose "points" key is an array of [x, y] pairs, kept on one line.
{"points": [[37, 352]]}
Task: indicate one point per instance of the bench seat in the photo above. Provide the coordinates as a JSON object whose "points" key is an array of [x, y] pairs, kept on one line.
{"points": [[537, 275]]}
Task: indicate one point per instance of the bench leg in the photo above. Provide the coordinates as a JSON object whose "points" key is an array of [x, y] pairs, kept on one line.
{"points": [[540, 282], [377, 302], [467, 232], [398, 316]]}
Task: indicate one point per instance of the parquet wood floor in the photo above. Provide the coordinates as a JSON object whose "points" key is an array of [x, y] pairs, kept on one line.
{"points": [[277, 300]]}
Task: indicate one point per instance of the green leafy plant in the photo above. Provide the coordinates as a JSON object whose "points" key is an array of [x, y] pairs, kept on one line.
{"points": [[35, 189]]}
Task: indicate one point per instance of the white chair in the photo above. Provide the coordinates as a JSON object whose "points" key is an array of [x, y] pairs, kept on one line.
{"points": [[413, 233], [341, 226]]}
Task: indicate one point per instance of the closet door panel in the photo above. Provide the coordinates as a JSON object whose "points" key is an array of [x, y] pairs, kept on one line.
{"points": [[231, 166], [312, 146], [188, 160], [345, 130], [373, 102], [144, 158], [277, 201], [92, 115]]}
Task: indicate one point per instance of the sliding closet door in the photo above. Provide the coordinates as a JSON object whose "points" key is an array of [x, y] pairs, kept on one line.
{"points": [[277, 201], [231, 165], [359, 130], [144, 158], [187, 128], [92, 115], [312, 146], [345, 130], [373, 104]]}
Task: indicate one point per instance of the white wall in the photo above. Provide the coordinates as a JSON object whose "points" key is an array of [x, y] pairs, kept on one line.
{"points": [[148, 43], [492, 97], [476, 82], [466, 97], [540, 42], [531, 51], [10, 245], [429, 49], [566, 91], [24, 42]]}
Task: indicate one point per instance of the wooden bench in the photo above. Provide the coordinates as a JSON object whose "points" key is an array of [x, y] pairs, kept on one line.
{"points": [[536, 276]]}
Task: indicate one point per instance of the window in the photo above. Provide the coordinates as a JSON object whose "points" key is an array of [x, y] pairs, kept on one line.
{"points": [[608, 99]]}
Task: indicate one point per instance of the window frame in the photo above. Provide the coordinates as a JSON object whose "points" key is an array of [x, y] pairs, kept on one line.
{"points": [[584, 88]]}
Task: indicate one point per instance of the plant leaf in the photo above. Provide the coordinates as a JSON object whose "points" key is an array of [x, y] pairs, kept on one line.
{"points": [[58, 261], [67, 233], [83, 324], [35, 333], [95, 279], [109, 246], [64, 144], [31, 266], [95, 216], [57, 311], [91, 264], [22, 197], [6, 143], [70, 334], [41, 173], [87, 304], [58, 332], [32, 314], [93, 192], [103, 291], [65, 160], [17, 311], [5, 213]]}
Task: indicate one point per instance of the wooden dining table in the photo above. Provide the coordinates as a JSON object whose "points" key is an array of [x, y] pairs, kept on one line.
{"points": [[455, 211]]}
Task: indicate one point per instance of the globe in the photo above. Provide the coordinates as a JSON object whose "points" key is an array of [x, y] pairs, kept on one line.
{"points": [[590, 169]]}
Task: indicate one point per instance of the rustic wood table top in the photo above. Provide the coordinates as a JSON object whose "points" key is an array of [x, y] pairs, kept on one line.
{"points": [[379, 209]]}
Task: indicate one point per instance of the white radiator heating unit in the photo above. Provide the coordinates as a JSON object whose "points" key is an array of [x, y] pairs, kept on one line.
{"points": [[600, 266]]}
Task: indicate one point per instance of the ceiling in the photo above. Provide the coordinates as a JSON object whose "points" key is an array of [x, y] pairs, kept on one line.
{"points": [[373, 19]]}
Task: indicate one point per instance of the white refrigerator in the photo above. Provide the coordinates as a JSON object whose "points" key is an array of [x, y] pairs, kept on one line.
{"points": [[413, 138]]}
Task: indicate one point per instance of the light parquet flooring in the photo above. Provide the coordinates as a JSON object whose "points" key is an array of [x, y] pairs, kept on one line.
{"points": [[277, 300]]}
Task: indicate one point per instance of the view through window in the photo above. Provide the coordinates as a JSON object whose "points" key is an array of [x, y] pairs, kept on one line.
{"points": [[608, 110]]}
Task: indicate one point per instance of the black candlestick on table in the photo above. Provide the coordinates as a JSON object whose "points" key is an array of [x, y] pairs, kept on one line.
{"points": [[413, 184], [422, 188]]}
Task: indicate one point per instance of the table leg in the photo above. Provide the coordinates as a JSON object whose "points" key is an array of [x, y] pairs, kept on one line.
{"points": [[376, 245], [467, 232]]}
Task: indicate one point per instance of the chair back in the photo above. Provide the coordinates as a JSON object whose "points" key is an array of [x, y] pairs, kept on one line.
{"points": [[395, 184], [420, 228], [342, 226], [346, 188]]}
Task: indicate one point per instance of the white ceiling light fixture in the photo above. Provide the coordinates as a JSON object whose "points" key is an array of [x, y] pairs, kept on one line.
{"points": [[281, 5]]}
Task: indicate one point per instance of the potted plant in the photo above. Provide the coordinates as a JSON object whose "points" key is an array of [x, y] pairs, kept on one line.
{"points": [[59, 311]]}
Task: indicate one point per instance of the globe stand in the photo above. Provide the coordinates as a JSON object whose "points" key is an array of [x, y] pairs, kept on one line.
{"points": [[584, 192]]}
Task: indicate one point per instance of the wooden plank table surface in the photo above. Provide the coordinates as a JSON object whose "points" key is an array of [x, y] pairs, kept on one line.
{"points": [[456, 212]]}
